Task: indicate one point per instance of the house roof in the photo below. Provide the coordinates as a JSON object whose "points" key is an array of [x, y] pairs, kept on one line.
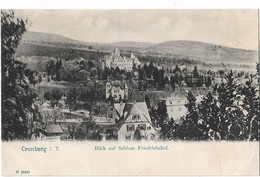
{"points": [[140, 108], [172, 98], [53, 129], [117, 84], [84, 71], [134, 108], [46, 105], [119, 107]]}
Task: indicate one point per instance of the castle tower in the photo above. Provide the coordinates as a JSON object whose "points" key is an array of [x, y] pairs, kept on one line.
{"points": [[116, 51], [108, 88], [132, 55], [126, 91]]}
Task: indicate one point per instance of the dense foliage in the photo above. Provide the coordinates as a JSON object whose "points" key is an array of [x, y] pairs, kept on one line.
{"points": [[229, 112], [18, 108]]}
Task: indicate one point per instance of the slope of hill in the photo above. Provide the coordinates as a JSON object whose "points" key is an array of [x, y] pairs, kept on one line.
{"points": [[191, 49], [204, 51], [132, 44], [31, 36], [30, 49]]}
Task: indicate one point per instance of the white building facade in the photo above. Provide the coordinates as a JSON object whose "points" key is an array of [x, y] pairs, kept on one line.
{"points": [[115, 60], [117, 90], [134, 117], [175, 108]]}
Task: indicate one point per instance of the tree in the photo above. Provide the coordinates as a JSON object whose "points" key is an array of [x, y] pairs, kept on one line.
{"points": [[145, 68], [110, 98], [172, 83], [72, 99], [208, 81], [91, 64], [134, 67], [91, 128], [229, 112], [177, 69], [226, 96], [50, 68], [19, 111], [195, 72], [161, 80], [147, 101], [47, 95], [189, 129], [257, 71], [162, 112], [250, 110], [55, 97], [161, 118], [209, 117], [40, 79], [149, 70], [58, 66], [53, 69]]}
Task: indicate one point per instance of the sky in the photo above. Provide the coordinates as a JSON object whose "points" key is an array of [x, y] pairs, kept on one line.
{"points": [[233, 28]]}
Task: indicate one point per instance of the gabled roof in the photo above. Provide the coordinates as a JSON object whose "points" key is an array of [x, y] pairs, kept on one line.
{"points": [[117, 84], [134, 108], [141, 108], [172, 98], [46, 105], [84, 71], [119, 107], [53, 129]]}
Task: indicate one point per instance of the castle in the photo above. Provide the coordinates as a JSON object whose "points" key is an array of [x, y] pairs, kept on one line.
{"points": [[115, 60]]}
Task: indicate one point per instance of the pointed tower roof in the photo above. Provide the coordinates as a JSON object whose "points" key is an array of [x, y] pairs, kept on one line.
{"points": [[116, 51]]}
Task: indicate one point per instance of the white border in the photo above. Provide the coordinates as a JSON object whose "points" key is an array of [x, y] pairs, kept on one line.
{"points": [[129, 4]]}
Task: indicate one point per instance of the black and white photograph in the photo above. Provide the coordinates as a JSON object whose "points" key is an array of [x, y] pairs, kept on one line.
{"points": [[129, 75], [129, 89]]}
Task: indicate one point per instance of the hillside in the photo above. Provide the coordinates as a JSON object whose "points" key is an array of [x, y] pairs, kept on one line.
{"points": [[132, 44], [194, 50], [30, 49], [204, 51], [31, 36]]}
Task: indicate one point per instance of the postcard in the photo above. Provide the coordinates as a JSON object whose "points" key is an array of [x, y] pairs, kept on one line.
{"points": [[129, 92]]}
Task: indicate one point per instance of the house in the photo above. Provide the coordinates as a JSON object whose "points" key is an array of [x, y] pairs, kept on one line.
{"points": [[84, 75], [46, 112], [116, 89], [103, 120], [54, 132], [134, 119], [118, 111], [115, 60], [175, 107], [183, 67], [218, 80], [38, 130], [50, 132]]}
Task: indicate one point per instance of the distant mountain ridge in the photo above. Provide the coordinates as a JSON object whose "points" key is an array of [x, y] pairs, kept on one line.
{"points": [[204, 51], [47, 37], [195, 50], [132, 44]]}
